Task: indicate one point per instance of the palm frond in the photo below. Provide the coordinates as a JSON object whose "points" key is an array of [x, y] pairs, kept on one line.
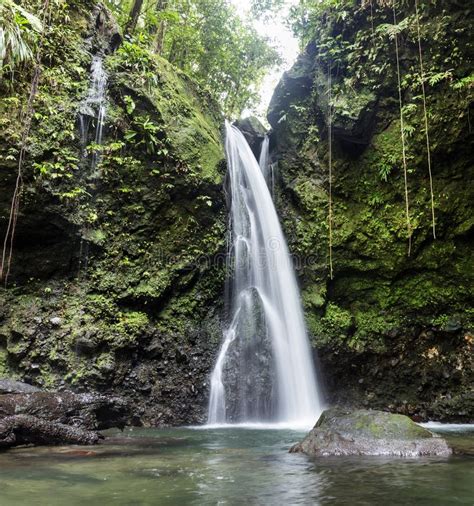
{"points": [[18, 33]]}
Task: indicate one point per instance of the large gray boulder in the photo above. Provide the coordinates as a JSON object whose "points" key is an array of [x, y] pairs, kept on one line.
{"points": [[366, 432]]}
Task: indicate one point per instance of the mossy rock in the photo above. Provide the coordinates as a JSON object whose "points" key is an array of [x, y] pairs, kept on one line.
{"points": [[372, 424], [365, 432]]}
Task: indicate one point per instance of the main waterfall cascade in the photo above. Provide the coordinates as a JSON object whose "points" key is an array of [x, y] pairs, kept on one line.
{"points": [[264, 372]]}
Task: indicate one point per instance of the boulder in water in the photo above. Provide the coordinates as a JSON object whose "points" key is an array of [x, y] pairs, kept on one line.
{"points": [[26, 429], [366, 432]]}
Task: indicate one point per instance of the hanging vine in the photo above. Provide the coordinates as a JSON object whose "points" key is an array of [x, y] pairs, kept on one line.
{"points": [[402, 132], [425, 113], [25, 120], [330, 212], [372, 22]]}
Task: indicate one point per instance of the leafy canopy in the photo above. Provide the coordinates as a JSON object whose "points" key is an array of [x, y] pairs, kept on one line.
{"points": [[209, 41]]}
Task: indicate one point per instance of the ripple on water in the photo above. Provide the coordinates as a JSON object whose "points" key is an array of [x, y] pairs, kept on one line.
{"points": [[228, 466]]}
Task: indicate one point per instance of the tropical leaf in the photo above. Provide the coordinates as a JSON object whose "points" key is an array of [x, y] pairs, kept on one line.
{"points": [[18, 31]]}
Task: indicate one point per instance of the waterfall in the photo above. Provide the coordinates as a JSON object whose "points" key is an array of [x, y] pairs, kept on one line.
{"points": [[264, 158], [264, 371], [92, 114], [265, 166], [93, 107]]}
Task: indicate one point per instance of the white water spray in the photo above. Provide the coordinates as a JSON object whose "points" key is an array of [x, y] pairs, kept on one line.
{"points": [[264, 371]]}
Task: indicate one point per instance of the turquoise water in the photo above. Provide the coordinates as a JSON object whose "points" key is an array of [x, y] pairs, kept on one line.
{"points": [[227, 467]]}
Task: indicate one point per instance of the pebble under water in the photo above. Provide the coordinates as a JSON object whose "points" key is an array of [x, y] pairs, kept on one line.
{"points": [[227, 466]]}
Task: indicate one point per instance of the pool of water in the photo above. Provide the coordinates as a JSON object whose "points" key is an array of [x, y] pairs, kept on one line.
{"points": [[225, 466]]}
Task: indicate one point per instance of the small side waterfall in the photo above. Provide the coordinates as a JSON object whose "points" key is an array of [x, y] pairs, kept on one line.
{"points": [[264, 371], [265, 166], [92, 114], [264, 159], [93, 108]]}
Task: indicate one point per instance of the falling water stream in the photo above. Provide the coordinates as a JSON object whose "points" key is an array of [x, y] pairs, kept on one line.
{"points": [[93, 108], [264, 372], [92, 114], [264, 159]]}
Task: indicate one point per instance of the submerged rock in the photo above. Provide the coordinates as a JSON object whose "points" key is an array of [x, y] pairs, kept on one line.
{"points": [[366, 432]]}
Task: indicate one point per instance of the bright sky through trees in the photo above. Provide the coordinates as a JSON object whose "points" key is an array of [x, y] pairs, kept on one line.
{"points": [[282, 36]]}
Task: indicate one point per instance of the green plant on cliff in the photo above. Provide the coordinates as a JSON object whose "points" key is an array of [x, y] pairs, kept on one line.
{"points": [[19, 31], [146, 133]]}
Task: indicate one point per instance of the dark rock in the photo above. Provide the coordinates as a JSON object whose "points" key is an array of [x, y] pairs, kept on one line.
{"points": [[254, 132], [89, 411], [85, 344], [453, 325], [26, 429], [295, 85], [8, 386], [366, 432]]}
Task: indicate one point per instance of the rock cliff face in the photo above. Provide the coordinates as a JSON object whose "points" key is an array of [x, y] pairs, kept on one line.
{"points": [[116, 277], [393, 331]]}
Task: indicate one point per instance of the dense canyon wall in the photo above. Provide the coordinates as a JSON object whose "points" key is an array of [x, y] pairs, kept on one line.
{"points": [[116, 276], [393, 331]]}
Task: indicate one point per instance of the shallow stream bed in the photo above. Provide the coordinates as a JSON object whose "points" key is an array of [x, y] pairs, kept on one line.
{"points": [[227, 466]]}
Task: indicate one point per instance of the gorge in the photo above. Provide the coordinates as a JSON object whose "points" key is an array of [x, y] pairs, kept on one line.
{"points": [[188, 277]]}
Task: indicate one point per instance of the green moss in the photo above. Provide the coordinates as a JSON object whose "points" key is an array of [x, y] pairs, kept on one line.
{"points": [[191, 125], [333, 327], [3, 363], [372, 327], [372, 424], [314, 297], [132, 323]]}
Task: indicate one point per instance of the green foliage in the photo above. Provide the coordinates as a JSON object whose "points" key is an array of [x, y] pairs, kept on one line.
{"points": [[265, 8], [137, 58], [465, 82], [334, 326], [146, 133], [19, 31], [209, 41]]}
